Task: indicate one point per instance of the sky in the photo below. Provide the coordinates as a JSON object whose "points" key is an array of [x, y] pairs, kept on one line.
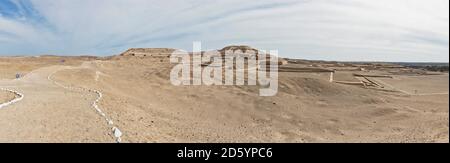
{"points": [[342, 30]]}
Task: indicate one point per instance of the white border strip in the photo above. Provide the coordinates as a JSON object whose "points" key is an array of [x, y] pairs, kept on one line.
{"points": [[15, 100], [117, 134]]}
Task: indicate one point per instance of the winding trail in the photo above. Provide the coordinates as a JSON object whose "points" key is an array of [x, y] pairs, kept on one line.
{"points": [[15, 100], [116, 133], [21, 96], [51, 113]]}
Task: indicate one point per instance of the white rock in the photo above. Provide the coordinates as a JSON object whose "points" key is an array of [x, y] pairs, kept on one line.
{"points": [[117, 132]]}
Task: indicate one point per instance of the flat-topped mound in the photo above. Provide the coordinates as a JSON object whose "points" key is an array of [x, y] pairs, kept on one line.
{"points": [[144, 52], [167, 52]]}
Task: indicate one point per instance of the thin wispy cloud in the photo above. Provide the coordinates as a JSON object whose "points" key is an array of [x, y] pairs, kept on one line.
{"points": [[363, 30]]}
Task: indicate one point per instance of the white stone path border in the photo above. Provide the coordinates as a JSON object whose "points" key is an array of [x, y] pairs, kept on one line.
{"points": [[117, 134], [21, 96]]}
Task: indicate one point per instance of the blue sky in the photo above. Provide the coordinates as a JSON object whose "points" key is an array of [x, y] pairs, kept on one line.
{"points": [[345, 30]]}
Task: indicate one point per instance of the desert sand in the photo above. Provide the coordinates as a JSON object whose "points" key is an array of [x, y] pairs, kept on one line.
{"points": [[129, 98], [6, 96]]}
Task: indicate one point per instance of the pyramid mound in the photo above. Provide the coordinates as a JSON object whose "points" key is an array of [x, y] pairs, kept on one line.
{"points": [[167, 52], [242, 48], [249, 51], [148, 52]]}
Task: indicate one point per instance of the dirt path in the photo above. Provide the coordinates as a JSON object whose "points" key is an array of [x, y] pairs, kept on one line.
{"points": [[50, 113], [117, 134]]}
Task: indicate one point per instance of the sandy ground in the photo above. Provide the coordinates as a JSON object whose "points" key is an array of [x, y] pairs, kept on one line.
{"points": [[139, 99], [6, 96], [10, 66]]}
